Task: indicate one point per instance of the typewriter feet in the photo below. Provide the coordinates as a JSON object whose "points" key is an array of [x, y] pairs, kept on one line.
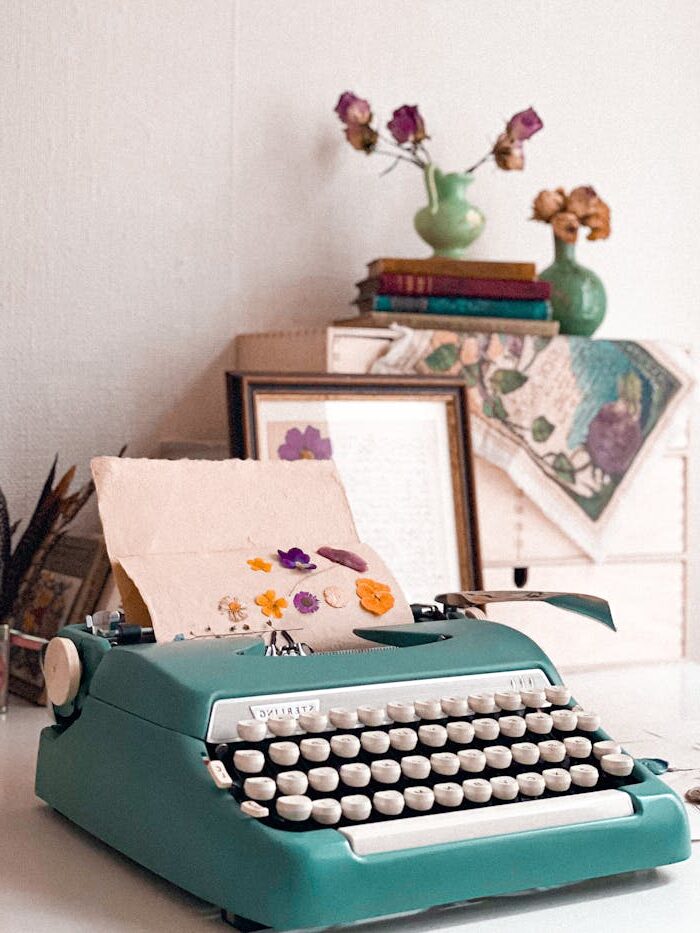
{"points": [[242, 924]]}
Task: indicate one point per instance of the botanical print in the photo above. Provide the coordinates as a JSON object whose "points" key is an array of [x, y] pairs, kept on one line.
{"points": [[581, 409], [300, 443]]}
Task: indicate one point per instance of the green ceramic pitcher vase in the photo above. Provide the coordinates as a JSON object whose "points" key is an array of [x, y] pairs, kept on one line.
{"points": [[449, 223], [578, 296]]}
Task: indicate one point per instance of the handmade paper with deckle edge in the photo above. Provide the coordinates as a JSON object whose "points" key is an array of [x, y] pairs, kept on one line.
{"points": [[180, 534]]}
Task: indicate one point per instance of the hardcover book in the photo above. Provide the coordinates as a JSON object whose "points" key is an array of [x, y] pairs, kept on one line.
{"points": [[462, 307], [484, 325], [458, 268], [405, 284]]}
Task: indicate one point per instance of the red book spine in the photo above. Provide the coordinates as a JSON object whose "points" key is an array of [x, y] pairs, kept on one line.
{"points": [[404, 284]]}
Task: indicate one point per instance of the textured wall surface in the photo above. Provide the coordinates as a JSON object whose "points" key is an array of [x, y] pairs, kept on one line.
{"points": [[171, 173]]}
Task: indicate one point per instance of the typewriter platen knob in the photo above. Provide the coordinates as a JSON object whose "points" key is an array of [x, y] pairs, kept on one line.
{"points": [[62, 670], [251, 730], [326, 811], [294, 807]]}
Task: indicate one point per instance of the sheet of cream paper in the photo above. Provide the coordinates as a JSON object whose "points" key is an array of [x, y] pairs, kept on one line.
{"points": [[180, 533]]}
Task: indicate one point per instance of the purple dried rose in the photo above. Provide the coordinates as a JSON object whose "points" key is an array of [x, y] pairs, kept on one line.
{"points": [[614, 437], [305, 445], [346, 558], [523, 125], [295, 559], [306, 602], [407, 125], [353, 109]]}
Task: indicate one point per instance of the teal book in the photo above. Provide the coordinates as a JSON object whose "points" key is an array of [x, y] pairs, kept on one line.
{"points": [[465, 307]]}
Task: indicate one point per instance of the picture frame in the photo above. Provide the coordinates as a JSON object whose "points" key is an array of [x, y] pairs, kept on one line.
{"points": [[402, 447]]}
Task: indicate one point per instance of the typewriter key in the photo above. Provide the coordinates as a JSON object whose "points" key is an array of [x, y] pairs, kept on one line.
{"points": [[294, 807], [482, 703], [504, 788], [404, 740], [508, 700], [449, 794], [282, 725], [498, 757], [472, 760], [313, 722], [565, 720], [617, 765], [607, 747], [388, 802], [326, 811], [401, 712], [539, 724], [461, 733], [433, 735], [530, 784], [525, 753], [587, 722], [444, 763], [420, 799], [251, 808], [558, 694], [345, 746], [251, 730], [356, 807], [551, 751], [343, 718], [355, 774], [485, 730], [577, 746], [376, 743], [259, 788], [324, 780], [512, 727], [557, 780], [386, 771], [248, 760], [429, 709], [533, 699], [292, 782], [584, 776], [416, 767], [315, 749], [455, 706], [477, 790], [371, 715], [283, 753]]}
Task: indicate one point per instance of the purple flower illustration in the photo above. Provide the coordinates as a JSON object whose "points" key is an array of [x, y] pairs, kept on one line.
{"points": [[295, 559], [306, 602], [305, 445], [614, 437]]}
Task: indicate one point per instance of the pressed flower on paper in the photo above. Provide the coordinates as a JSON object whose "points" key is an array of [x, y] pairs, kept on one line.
{"points": [[235, 608], [295, 559], [375, 597], [344, 558], [257, 563], [306, 602], [271, 605]]}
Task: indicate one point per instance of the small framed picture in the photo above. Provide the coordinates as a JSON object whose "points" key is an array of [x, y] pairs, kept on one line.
{"points": [[402, 448]]}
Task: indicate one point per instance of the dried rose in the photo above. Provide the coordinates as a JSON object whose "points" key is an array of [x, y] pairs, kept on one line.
{"points": [[565, 226], [362, 137], [547, 204], [523, 125], [407, 125], [508, 153], [353, 109], [598, 222], [582, 201]]}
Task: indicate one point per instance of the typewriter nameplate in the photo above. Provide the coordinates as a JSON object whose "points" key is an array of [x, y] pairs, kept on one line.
{"points": [[265, 710]]}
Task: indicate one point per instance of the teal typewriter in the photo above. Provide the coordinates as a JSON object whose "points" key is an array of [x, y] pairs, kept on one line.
{"points": [[435, 761]]}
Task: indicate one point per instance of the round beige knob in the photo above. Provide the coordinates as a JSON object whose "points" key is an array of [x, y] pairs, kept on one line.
{"points": [[62, 670]]}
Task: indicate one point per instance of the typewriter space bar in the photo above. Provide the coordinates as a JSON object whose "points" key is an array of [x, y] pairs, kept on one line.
{"points": [[497, 820]]}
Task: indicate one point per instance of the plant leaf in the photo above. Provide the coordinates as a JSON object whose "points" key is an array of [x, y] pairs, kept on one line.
{"points": [[443, 357], [539, 343], [564, 469], [471, 374], [541, 429], [507, 380], [499, 409]]}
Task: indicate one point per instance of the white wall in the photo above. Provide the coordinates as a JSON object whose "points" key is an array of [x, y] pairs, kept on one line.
{"points": [[171, 173]]}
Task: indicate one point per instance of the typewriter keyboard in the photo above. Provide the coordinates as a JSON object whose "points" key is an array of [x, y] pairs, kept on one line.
{"points": [[404, 772]]}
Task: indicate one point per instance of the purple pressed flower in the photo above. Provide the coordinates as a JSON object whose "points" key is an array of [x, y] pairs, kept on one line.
{"points": [[305, 602], [523, 125], [614, 437], [406, 125], [305, 445], [295, 559], [353, 109], [346, 558]]}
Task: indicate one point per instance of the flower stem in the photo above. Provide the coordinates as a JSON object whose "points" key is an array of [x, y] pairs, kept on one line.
{"points": [[476, 165]]}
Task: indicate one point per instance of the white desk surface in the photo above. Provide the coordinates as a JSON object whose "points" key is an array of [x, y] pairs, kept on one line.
{"points": [[57, 878]]}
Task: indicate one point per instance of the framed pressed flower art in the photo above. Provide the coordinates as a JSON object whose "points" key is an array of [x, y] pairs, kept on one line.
{"points": [[402, 448]]}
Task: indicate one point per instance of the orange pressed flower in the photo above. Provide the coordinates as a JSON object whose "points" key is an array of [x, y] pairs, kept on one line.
{"points": [[375, 597], [257, 563], [270, 605]]}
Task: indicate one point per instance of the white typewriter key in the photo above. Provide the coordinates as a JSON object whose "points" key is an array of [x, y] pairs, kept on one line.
{"points": [[508, 700], [557, 780], [454, 706], [315, 749], [617, 765], [429, 709], [343, 718], [416, 767], [294, 807], [248, 760], [444, 763], [345, 746], [504, 787], [355, 774], [539, 723], [401, 712], [483, 703], [607, 747], [420, 799], [577, 746], [461, 733], [587, 722], [386, 771], [371, 715], [525, 753], [584, 775], [472, 760], [388, 802], [486, 729], [558, 694], [326, 811], [534, 699], [498, 756], [404, 740], [251, 808], [356, 807], [282, 725], [552, 751], [313, 722], [259, 788], [531, 784], [323, 779], [251, 730], [283, 753], [477, 790], [434, 736], [512, 726], [376, 743], [565, 720], [292, 782], [449, 794]]}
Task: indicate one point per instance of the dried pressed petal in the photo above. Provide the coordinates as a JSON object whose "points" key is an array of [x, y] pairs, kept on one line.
{"points": [[295, 559], [306, 602], [336, 597], [270, 605], [257, 563], [346, 558], [375, 597]]}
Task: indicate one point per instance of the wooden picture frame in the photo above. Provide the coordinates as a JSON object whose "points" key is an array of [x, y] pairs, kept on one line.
{"points": [[403, 450]]}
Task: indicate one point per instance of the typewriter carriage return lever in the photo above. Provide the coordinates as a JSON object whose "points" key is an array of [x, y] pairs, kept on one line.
{"points": [[593, 607]]}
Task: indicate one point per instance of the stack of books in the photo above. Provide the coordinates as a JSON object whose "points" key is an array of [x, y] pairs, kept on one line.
{"points": [[454, 294]]}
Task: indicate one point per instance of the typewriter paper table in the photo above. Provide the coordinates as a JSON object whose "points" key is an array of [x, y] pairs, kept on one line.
{"points": [[57, 878]]}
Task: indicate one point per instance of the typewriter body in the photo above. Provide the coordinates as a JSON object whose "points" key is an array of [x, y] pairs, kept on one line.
{"points": [[204, 761]]}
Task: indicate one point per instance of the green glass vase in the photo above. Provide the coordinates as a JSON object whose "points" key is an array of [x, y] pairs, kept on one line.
{"points": [[578, 295], [449, 223]]}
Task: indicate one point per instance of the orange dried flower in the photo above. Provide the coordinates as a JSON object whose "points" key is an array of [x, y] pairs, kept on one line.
{"points": [[582, 201], [598, 222], [270, 605], [508, 153], [565, 226], [257, 563], [375, 597], [547, 204]]}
